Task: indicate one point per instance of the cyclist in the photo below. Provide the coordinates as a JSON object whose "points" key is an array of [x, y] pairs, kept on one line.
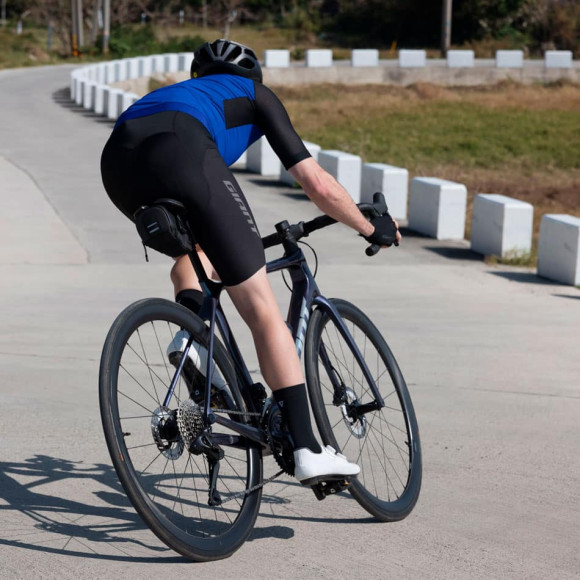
{"points": [[177, 142]]}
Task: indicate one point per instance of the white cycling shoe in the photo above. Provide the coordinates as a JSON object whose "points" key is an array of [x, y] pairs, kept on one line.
{"points": [[196, 364], [312, 468]]}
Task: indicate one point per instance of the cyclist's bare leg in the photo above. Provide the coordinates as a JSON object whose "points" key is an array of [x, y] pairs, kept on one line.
{"points": [[255, 301], [183, 275]]}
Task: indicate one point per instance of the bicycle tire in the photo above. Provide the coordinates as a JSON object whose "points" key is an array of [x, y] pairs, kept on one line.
{"points": [[384, 443], [170, 492]]}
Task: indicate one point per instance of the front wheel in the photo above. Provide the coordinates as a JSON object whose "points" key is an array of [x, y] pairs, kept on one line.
{"points": [[149, 437], [384, 443]]}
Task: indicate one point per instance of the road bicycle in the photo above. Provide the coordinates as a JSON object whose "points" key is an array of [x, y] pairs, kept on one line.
{"points": [[188, 442]]}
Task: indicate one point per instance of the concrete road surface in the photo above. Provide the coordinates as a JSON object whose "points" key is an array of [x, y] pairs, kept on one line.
{"points": [[491, 354]]}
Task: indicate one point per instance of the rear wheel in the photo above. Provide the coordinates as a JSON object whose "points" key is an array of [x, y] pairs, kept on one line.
{"points": [[384, 443], [148, 438]]}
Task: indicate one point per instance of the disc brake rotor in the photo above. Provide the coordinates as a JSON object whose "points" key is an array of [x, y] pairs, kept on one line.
{"points": [[358, 427], [170, 449]]}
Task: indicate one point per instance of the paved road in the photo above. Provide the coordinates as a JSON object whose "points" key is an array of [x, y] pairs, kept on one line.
{"points": [[491, 356]]}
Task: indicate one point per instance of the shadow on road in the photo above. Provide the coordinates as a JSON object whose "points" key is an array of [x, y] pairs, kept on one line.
{"points": [[38, 514], [62, 98]]}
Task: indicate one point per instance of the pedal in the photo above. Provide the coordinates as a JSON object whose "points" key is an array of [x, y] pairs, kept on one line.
{"points": [[325, 488]]}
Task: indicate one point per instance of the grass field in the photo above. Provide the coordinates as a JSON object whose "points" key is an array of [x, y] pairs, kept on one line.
{"points": [[520, 141]]}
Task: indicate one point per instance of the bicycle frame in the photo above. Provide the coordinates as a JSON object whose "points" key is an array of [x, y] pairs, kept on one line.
{"points": [[305, 298]]}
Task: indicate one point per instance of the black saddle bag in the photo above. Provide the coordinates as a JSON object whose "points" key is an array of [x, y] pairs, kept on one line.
{"points": [[163, 231]]}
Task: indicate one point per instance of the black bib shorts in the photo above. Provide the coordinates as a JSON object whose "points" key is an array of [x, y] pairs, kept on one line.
{"points": [[171, 154]]}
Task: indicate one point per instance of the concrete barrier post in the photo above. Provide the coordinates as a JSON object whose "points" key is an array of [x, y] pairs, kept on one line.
{"points": [[558, 59], [501, 226], [184, 61], [276, 58], [170, 63], [509, 59], [100, 74], [127, 100], [114, 103], [390, 180], [110, 72], [101, 99], [262, 159], [80, 89], [318, 57], [365, 57], [145, 66], [285, 176], [559, 248], [412, 58], [132, 68], [460, 59], [121, 70], [89, 95], [437, 208], [158, 63], [345, 168]]}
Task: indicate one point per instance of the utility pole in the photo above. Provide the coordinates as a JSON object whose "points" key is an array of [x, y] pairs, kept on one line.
{"points": [[3, 13], [74, 37], [106, 25], [80, 23], [446, 26]]}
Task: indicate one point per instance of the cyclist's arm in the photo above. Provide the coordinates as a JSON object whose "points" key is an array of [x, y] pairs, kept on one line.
{"points": [[320, 186], [329, 195]]}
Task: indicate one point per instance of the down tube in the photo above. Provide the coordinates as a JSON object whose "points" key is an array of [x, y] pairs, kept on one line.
{"points": [[332, 312]]}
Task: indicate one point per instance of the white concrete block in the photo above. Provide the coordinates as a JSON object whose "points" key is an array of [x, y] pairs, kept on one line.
{"points": [[170, 62], [285, 176], [241, 161], [121, 70], [509, 59], [74, 78], [437, 208], [501, 225], [89, 95], [114, 103], [110, 72], [80, 90], [127, 100], [559, 248], [262, 159], [145, 66], [276, 58], [184, 60], [158, 63], [365, 57], [412, 58], [101, 74], [101, 99], [460, 59], [318, 57], [345, 168], [132, 68], [90, 72], [392, 181], [558, 59]]}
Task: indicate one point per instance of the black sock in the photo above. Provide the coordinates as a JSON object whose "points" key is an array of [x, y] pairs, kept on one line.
{"points": [[192, 299], [293, 402]]}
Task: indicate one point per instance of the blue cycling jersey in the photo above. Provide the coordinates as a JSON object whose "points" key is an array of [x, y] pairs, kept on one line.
{"points": [[206, 99]]}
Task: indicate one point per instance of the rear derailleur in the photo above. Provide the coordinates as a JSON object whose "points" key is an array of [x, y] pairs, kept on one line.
{"points": [[214, 453]]}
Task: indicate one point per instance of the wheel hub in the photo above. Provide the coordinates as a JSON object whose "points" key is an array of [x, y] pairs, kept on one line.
{"points": [[161, 423], [357, 425]]}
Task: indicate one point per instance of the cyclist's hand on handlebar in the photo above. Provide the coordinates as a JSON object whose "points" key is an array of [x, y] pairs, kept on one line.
{"points": [[386, 231]]}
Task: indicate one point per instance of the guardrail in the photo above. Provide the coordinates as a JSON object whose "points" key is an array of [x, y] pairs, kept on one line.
{"points": [[436, 207]]}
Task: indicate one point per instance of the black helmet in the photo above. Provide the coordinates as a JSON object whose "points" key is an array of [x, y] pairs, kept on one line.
{"points": [[226, 57]]}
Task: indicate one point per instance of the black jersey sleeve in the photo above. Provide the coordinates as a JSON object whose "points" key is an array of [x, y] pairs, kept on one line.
{"points": [[273, 120]]}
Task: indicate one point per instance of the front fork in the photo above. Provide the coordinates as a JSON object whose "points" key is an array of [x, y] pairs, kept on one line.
{"points": [[338, 385]]}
